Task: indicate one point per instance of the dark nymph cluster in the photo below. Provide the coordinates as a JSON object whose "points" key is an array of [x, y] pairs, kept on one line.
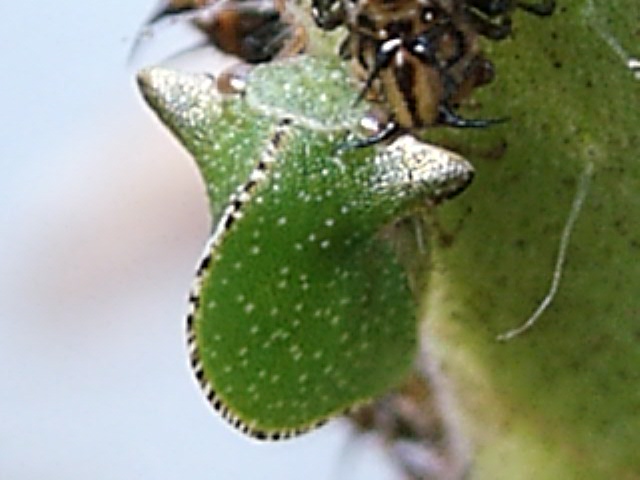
{"points": [[420, 58], [417, 60]]}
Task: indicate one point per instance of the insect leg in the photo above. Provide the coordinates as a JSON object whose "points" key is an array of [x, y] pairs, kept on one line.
{"points": [[542, 9], [388, 132], [446, 116], [493, 30], [491, 8], [384, 55]]}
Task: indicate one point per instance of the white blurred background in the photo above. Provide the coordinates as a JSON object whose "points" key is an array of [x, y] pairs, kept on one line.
{"points": [[102, 219]]}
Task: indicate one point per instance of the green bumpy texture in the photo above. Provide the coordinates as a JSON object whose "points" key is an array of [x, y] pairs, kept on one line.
{"points": [[309, 313], [561, 401], [301, 308]]}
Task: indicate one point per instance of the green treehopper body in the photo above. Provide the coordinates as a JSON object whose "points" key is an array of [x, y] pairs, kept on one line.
{"points": [[300, 309]]}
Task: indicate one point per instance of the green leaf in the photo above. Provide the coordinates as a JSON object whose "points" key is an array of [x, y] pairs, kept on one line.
{"points": [[562, 401]]}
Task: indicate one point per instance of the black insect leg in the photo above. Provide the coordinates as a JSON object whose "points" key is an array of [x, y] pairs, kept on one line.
{"points": [[479, 72], [542, 9], [493, 30], [168, 10], [449, 118], [425, 47], [491, 8], [496, 8], [390, 131], [384, 55]]}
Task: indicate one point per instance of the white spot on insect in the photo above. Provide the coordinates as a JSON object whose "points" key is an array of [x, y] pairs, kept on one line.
{"points": [[243, 351], [284, 271], [344, 337], [298, 246], [217, 337], [275, 378], [282, 284], [240, 298], [254, 329], [212, 305], [296, 323], [262, 373], [227, 369], [251, 388], [303, 378], [237, 265], [329, 222], [213, 354], [344, 209], [325, 244], [299, 307], [335, 320], [345, 301], [312, 237], [327, 369], [249, 307], [282, 221], [317, 355], [274, 311], [255, 250]]}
